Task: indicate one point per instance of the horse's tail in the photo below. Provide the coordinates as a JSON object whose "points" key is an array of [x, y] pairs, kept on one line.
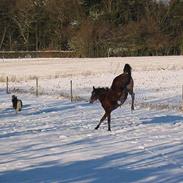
{"points": [[127, 69]]}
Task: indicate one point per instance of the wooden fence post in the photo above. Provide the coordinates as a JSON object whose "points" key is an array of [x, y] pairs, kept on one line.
{"points": [[7, 87], [71, 95], [181, 106], [37, 85]]}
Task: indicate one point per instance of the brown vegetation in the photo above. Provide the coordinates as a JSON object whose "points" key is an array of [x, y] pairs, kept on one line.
{"points": [[94, 28]]}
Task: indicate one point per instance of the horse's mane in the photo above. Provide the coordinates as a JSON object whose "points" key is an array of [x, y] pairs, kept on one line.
{"points": [[102, 89]]}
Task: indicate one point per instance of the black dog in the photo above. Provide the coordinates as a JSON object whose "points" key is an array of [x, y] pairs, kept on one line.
{"points": [[17, 103]]}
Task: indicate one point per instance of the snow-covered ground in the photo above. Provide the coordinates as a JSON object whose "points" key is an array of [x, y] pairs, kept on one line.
{"points": [[53, 140]]}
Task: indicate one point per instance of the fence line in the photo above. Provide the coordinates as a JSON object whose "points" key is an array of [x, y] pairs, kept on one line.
{"points": [[38, 54], [34, 87]]}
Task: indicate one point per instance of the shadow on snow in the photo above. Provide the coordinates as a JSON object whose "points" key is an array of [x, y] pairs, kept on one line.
{"points": [[94, 171], [171, 119]]}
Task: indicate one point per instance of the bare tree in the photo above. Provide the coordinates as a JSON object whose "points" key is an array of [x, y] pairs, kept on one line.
{"points": [[22, 17]]}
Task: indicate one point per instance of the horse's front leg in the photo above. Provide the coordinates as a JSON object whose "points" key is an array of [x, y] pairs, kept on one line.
{"points": [[102, 119], [109, 122]]}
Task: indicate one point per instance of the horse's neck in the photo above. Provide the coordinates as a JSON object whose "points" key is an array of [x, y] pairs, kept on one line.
{"points": [[102, 97]]}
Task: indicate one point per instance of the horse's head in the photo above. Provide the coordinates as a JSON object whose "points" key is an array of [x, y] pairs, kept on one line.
{"points": [[96, 93]]}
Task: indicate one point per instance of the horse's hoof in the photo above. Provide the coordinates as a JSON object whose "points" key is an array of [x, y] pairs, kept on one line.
{"points": [[96, 128], [109, 130]]}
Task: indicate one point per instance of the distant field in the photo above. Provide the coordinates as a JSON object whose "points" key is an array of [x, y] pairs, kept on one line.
{"points": [[75, 66]]}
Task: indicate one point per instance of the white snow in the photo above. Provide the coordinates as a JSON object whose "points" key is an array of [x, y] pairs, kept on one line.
{"points": [[53, 140]]}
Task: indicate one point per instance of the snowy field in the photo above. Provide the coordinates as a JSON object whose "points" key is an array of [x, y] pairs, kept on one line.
{"points": [[53, 140]]}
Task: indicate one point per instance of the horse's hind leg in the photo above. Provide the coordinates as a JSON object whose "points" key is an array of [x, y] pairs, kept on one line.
{"points": [[102, 119], [109, 122], [133, 99], [130, 91]]}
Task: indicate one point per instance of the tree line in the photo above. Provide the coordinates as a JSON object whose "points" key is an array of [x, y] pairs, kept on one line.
{"points": [[93, 28]]}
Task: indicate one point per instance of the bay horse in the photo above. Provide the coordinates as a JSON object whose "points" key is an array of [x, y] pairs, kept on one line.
{"points": [[123, 81], [114, 97], [109, 100]]}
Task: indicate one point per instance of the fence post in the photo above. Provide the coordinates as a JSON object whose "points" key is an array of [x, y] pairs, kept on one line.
{"points": [[181, 105], [7, 87], [71, 91], [37, 86]]}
